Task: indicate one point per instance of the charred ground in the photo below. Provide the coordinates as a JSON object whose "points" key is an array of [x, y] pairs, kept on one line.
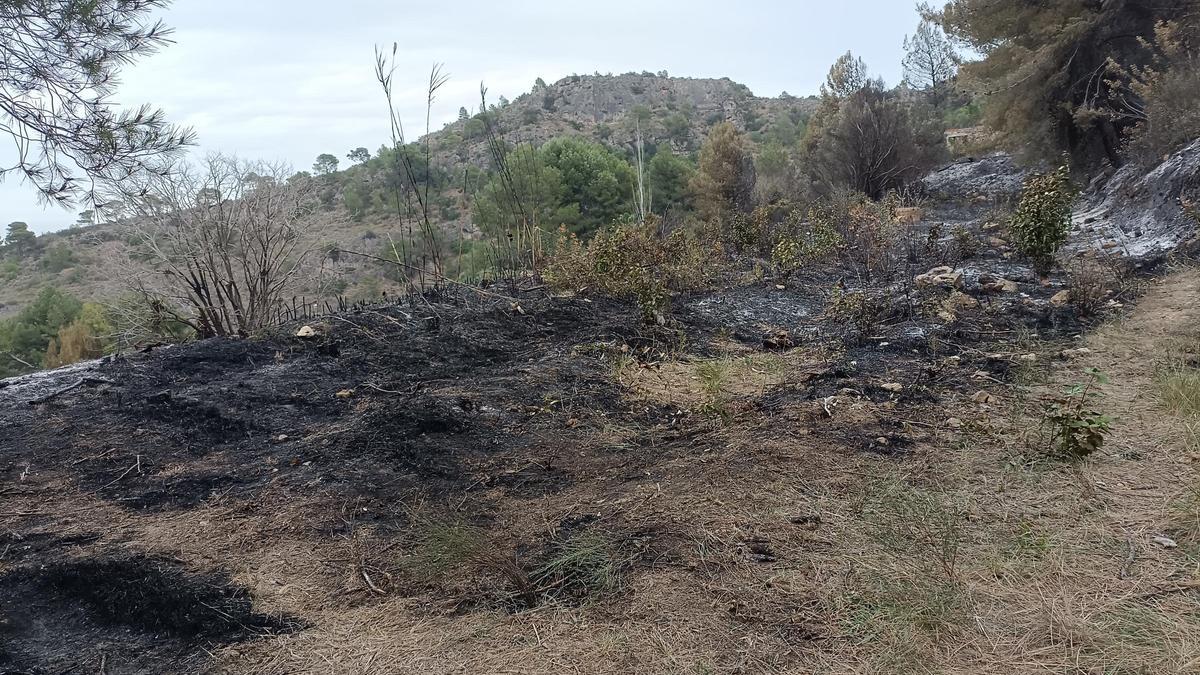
{"points": [[218, 505]]}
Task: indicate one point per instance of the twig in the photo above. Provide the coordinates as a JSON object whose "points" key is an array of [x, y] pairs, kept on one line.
{"points": [[410, 392], [19, 360], [71, 387], [1130, 556], [367, 578], [1180, 588], [136, 465]]}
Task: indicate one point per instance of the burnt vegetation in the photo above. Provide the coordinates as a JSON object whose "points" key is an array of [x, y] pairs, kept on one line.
{"points": [[794, 398]]}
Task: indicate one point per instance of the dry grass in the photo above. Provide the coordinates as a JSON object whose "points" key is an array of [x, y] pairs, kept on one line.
{"points": [[773, 544]]}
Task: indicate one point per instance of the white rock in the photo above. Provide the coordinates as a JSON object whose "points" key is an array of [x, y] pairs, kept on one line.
{"points": [[306, 332]]}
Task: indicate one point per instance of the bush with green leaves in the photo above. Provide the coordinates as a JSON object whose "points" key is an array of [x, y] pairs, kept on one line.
{"points": [[632, 261], [1043, 217], [1077, 429], [806, 240]]}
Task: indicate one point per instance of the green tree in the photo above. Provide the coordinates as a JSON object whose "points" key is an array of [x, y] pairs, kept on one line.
{"points": [[670, 176], [725, 178], [524, 194], [62, 59], [847, 75], [87, 337], [325, 164], [773, 165], [25, 337], [354, 202], [359, 155], [58, 258], [19, 240], [1043, 66], [679, 128], [930, 62], [595, 180]]}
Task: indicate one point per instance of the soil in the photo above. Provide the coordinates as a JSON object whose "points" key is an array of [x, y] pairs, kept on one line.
{"points": [[264, 505]]}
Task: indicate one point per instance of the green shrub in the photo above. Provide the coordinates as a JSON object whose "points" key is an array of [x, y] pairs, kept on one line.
{"points": [[631, 261], [1043, 218], [807, 240], [1076, 429]]}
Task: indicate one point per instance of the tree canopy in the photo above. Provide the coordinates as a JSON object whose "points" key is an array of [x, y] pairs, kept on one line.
{"points": [[1045, 69], [61, 63]]}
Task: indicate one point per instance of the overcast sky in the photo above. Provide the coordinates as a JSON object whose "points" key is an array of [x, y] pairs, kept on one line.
{"points": [[290, 79]]}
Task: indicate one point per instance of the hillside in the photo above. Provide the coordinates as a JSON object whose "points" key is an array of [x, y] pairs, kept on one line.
{"points": [[674, 112]]}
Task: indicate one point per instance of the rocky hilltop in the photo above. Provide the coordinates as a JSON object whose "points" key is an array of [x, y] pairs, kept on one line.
{"points": [[677, 111]]}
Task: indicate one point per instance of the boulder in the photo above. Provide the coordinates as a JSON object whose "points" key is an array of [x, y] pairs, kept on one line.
{"points": [[941, 277], [1061, 299]]}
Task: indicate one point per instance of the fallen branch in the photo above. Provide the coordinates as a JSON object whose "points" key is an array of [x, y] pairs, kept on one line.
{"points": [[71, 387]]}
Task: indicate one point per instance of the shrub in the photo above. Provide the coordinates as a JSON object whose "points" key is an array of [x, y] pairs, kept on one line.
{"points": [[1088, 286], [631, 261], [806, 241], [583, 565], [1043, 218], [1167, 95], [964, 245], [863, 313], [1077, 430], [871, 234]]}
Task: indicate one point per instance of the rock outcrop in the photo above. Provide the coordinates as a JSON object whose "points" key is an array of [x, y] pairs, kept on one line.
{"points": [[1138, 213]]}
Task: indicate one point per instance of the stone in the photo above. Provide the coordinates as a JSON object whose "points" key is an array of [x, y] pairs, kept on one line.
{"points": [[345, 393], [954, 423], [1028, 358], [909, 215], [894, 387], [943, 277], [959, 301], [1075, 353], [1061, 299], [306, 332], [998, 286], [982, 397]]}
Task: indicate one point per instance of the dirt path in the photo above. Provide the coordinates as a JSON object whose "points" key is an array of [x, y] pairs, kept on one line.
{"points": [[1088, 587]]}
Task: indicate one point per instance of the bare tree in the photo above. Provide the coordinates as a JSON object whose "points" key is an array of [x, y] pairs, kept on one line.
{"points": [[930, 62], [61, 61], [221, 245]]}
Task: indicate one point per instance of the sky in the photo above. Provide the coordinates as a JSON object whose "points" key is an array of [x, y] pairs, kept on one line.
{"points": [[290, 79]]}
